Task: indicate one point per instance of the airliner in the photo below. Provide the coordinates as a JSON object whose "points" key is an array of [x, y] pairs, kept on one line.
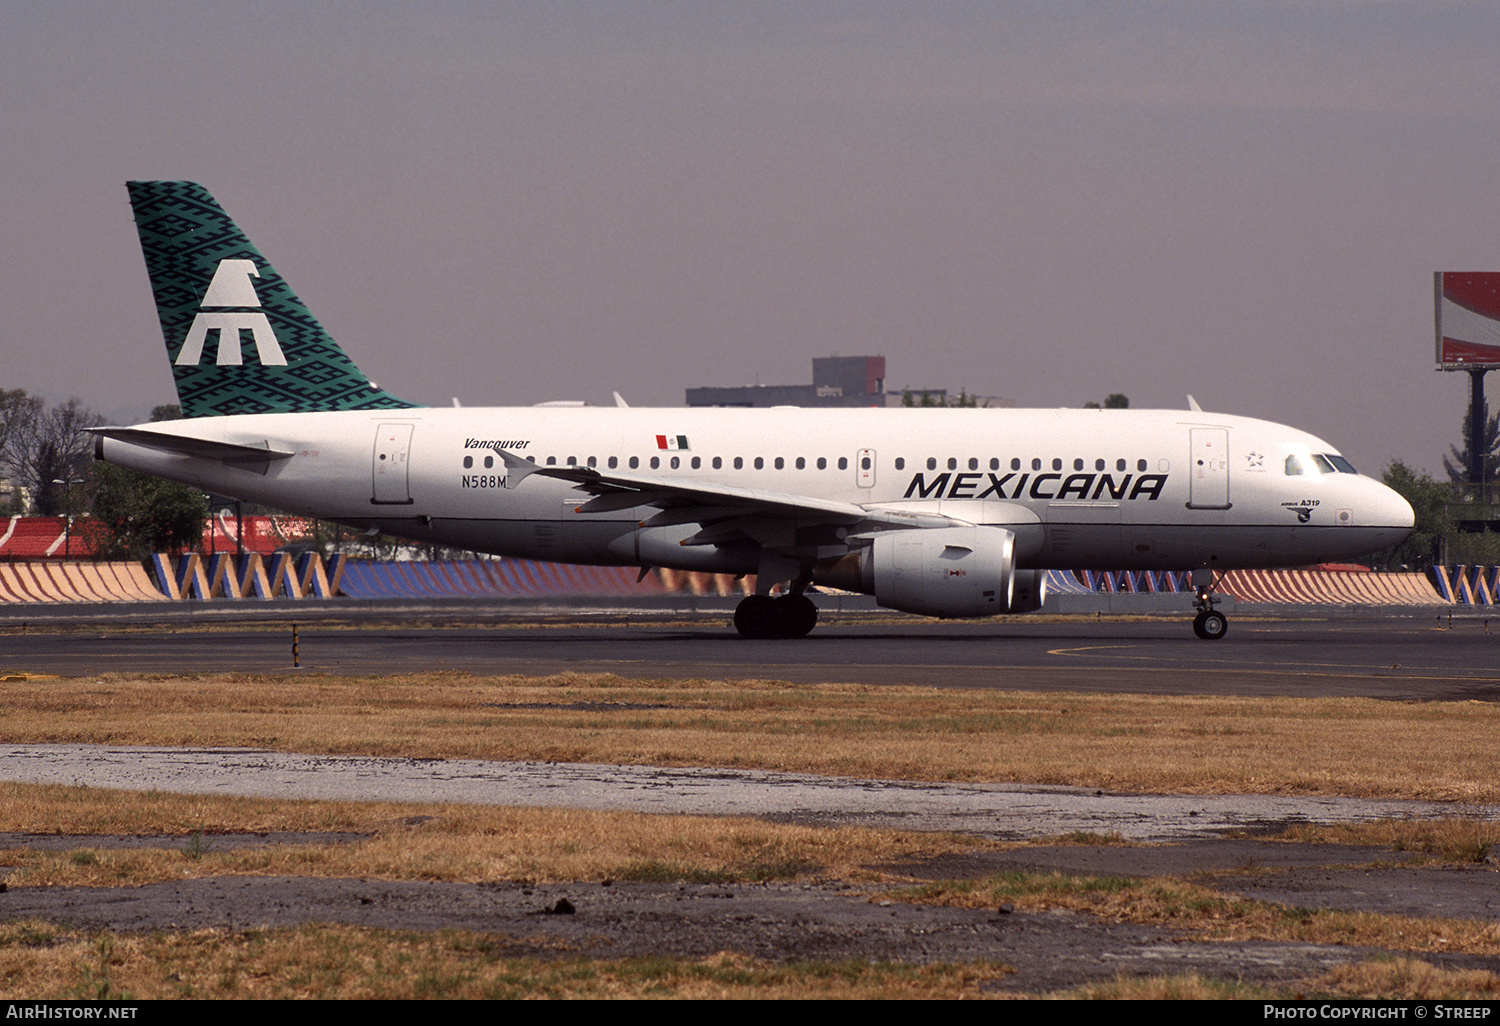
{"points": [[939, 512]]}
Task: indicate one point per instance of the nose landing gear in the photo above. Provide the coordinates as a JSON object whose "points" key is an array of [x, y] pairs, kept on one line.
{"points": [[1209, 624]]}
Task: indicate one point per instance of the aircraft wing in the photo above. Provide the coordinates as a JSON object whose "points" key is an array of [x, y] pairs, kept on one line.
{"points": [[723, 510]]}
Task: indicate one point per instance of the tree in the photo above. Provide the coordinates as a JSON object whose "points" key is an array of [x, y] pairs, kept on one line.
{"points": [[143, 514], [49, 452], [1429, 501], [1113, 401], [1458, 466], [18, 411], [939, 399]]}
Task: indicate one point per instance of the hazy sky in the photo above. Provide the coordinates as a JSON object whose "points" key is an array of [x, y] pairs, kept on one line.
{"points": [[516, 202]]}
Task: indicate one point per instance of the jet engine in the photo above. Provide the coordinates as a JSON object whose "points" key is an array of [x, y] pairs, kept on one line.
{"points": [[1030, 591], [949, 572]]}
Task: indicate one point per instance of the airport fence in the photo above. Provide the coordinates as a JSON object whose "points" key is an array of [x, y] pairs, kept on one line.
{"points": [[1467, 585], [285, 575]]}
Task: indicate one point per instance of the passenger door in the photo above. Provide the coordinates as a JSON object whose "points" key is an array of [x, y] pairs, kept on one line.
{"points": [[1208, 469]]}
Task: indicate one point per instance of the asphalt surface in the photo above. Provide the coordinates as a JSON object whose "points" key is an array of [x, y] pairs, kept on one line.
{"points": [[1397, 657]]}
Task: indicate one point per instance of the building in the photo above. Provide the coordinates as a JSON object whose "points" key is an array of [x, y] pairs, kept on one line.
{"points": [[838, 381]]}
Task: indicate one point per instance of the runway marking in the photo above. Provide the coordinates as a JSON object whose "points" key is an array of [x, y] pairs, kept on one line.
{"points": [[1088, 648], [1298, 669]]}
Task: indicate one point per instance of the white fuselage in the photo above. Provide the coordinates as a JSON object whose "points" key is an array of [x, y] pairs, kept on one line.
{"points": [[1106, 489]]}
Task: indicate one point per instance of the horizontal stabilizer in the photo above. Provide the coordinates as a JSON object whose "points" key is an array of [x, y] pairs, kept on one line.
{"points": [[200, 448]]}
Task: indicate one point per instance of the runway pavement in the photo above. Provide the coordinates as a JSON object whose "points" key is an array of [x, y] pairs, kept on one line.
{"points": [[1398, 657]]}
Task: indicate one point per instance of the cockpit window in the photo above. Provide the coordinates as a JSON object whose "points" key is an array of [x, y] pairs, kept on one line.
{"points": [[1318, 463]]}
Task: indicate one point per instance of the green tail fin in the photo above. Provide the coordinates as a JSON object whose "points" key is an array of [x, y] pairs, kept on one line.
{"points": [[213, 291]]}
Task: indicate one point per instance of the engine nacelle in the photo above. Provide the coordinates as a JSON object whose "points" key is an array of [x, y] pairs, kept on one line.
{"points": [[947, 572], [1030, 591]]}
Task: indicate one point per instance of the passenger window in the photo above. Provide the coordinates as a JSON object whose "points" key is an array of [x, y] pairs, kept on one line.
{"points": [[1015, 463], [973, 463], [614, 461], [572, 461], [1119, 465], [635, 462], [655, 462], [468, 462], [739, 463], [1098, 464], [676, 462], [718, 462], [801, 463], [844, 462], [994, 463], [593, 462], [1078, 464], [900, 463], [760, 463], [551, 461], [697, 462], [932, 463], [780, 463], [1056, 464], [952, 463], [1140, 465], [822, 463]]}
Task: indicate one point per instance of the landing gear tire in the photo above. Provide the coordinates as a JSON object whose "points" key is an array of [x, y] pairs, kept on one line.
{"points": [[757, 616], [798, 616], [1210, 625], [760, 616]]}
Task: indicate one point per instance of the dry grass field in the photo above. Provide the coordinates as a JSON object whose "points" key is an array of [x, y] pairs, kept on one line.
{"points": [[1340, 746], [1354, 747]]}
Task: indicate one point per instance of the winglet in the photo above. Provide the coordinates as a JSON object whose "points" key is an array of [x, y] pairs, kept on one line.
{"points": [[1193, 405]]}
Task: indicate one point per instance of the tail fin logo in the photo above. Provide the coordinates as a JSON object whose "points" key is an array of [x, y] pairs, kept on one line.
{"points": [[229, 305]]}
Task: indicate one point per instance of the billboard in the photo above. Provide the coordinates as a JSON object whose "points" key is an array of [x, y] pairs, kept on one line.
{"points": [[1468, 319]]}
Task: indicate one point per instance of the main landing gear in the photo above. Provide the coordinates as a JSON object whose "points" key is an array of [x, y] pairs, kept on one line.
{"points": [[761, 616], [1209, 624]]}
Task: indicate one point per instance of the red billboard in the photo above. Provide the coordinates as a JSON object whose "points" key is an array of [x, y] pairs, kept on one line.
{"points": [[1468, 319]]}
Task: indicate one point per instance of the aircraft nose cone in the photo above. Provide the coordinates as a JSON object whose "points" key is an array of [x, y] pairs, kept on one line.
{"points": [[1388, 510], [1394, 511]]}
